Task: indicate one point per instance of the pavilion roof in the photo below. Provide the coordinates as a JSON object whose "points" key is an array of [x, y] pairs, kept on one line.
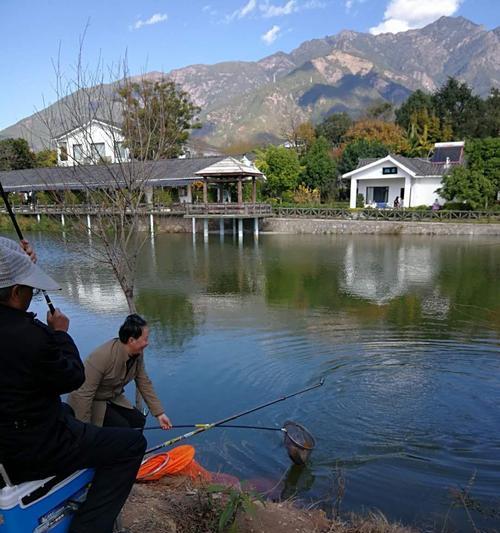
{"points": [[231, 167]]}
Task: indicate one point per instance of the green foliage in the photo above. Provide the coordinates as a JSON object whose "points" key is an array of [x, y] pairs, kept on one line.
{"points": [[455, 104], [467, 185], [380, 110], [418, 102], [236, 501], [360, 149], [157, 117], [478, 183], [334, 127], [15, 154], [46, 158], [281, 167], [360, 200], [319, 168]]}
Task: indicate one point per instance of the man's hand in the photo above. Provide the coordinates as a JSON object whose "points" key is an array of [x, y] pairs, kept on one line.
{"points": [[60, 322], [26, 246], [164, 421]]}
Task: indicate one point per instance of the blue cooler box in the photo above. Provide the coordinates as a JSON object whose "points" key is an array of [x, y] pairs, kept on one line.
{"points": [[44, 505]]}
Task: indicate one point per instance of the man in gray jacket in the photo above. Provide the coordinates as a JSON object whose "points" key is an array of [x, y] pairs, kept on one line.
{"points": [[108, 369]]}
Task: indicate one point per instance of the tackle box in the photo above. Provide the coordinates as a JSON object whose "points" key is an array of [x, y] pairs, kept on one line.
{"points": [[46, 505]]}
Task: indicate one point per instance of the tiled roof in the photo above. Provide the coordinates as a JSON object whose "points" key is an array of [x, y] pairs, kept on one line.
{"points": [[421, 167], [165, 172]]}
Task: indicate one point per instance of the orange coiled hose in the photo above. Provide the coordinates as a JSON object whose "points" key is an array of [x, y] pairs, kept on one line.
{"points": [[178, 461]]}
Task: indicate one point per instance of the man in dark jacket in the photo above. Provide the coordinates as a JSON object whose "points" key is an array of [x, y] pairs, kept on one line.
{"points": [[39, 436]]}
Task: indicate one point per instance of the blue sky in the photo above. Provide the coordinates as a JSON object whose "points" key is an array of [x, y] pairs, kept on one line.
{"points": [[167, 34]]}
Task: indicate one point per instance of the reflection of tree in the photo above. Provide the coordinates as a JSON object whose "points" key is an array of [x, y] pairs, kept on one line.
{"points": [[469, 278], [174, 314]]}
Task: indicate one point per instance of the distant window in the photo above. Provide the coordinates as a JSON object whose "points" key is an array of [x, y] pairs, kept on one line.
{"points": [[121, 153], [377, 195], [389, 170], [63, 151], [77, 152], [98, 151]]}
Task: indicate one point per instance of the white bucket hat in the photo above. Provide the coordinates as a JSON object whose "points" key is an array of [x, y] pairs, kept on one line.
{"points": [[16, 268]]}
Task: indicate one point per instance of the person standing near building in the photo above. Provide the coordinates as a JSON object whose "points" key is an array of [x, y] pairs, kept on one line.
{"points": [[108, 369], [39, 436]]}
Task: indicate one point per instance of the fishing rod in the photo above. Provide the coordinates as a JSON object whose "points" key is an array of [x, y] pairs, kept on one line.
{"points": [[21, 238], [205, 427], [220, 426]]}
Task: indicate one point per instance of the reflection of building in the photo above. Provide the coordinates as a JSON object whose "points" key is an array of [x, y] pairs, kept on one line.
{"points": [[381, 273]]}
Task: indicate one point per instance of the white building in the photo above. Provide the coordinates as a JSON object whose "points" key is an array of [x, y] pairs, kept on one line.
{"points": [[414, 181], [96, 142]]}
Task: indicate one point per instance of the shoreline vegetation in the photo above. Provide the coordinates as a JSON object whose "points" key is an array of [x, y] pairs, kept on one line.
{"points": [[175, 505], [52, 223]]}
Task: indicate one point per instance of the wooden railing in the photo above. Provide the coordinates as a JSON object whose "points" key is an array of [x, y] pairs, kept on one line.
{"points": [[385, 214], [266, 210]]}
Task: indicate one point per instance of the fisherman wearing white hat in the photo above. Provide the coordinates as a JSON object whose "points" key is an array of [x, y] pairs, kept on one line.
{"points": [[39, 436]]}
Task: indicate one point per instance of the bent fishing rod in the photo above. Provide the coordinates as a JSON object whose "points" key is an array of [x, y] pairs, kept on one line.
{"points": [[205, 427], [21, 238]]}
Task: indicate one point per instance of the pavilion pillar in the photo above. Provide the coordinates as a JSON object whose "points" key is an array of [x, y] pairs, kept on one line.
{"points": [[189, 194], [205, 191], [256, 227], [240, 191], [254, 190], [205, 229]]}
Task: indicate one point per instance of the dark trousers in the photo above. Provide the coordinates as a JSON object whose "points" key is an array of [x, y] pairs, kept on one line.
{"points": [[118, 416], [116, 454]]}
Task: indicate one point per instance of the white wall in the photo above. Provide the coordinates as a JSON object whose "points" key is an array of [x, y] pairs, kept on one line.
{"points": [[418, 191], [423, 192], [395, 185], [94, 133]]}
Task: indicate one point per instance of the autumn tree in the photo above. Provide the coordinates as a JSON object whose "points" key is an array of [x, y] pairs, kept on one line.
{"points": [[157, 118], [388, 134]]}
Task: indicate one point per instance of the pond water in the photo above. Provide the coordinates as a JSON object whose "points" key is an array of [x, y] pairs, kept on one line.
{"points": [[405, 330]]}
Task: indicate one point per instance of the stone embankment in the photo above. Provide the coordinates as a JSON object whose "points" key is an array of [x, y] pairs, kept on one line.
{"points": [[330, 226]]}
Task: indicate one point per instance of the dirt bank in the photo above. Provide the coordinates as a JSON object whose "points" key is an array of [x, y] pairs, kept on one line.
{"points": [[175, 506]]}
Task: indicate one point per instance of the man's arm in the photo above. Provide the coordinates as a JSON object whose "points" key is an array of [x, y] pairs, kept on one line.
{"points": [[147, 391], [81, 400], [59, 364]]}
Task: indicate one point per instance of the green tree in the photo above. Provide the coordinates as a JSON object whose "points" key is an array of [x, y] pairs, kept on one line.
{"points": [[46, 158], [417, 103], [157, 119], [319, 169], [334, 127], [455, 104], [281, 167], [360, 149], [478, 183], [468, 186], [491, 121], [15, 154]]}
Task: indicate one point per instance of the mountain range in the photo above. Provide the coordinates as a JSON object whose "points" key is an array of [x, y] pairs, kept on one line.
{"points": [[254, 101]]}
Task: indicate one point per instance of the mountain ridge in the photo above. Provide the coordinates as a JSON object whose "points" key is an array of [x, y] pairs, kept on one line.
{"points": [[252, 100]]}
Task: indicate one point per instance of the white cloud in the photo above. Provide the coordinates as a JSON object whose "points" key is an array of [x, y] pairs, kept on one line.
{"points": [[154, 19], [242, 11], [270, 36], [402, 15], [270, 10]]}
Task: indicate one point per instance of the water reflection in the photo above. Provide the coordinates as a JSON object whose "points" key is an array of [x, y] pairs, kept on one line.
{"points": [[406, 330]]}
